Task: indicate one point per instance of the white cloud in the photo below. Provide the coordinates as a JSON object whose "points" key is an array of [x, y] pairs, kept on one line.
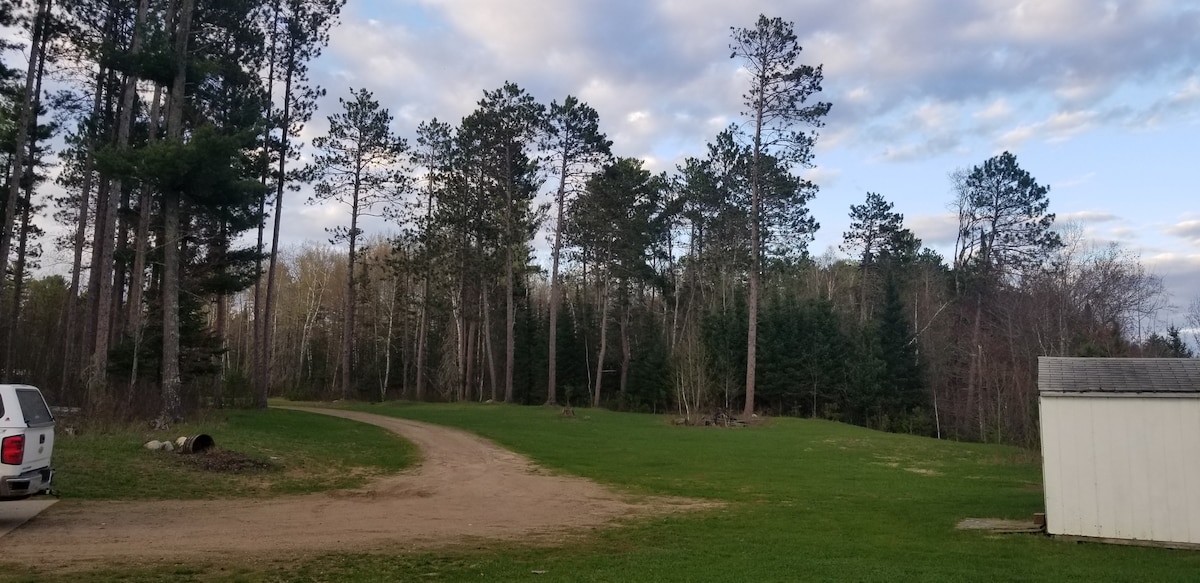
{"points": [[939, 229], [503, 27], [1188, 230], [1171, 262], [822, 176], [1087, 217], [936, 116], [982, 55], [858, 94], [1012, 139], [637, 117], [996, 110], [909, 81], [1059, 127], [1124, 234], [1181, 103], [1189, 93]]}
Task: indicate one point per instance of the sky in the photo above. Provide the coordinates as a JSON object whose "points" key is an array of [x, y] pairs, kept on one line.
{"points": [[1099, 100]]}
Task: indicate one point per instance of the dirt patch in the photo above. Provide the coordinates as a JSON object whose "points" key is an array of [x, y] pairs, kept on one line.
{"points": [[1000, 525], [464, 488], [223, 461]]}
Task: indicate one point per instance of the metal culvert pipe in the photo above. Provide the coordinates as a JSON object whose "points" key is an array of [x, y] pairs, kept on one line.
{"points": [[197, 443]]}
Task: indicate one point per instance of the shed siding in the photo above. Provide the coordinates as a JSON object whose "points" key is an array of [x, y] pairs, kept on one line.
{"points": [[1125, 468]]}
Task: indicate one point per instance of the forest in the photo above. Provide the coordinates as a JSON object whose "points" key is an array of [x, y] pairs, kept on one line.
{"points": [[157, 142]]}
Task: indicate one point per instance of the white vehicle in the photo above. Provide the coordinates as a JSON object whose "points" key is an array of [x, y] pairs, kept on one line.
{"points": [[26, 442]]}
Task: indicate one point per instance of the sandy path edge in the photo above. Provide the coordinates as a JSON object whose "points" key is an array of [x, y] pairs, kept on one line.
{"points": [[464, 487]]}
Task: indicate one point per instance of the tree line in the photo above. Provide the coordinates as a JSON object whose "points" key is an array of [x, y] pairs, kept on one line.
{"points": [[685, 291]]}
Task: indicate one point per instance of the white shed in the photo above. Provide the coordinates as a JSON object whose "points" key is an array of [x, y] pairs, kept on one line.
{"points": [[1121, 448]]}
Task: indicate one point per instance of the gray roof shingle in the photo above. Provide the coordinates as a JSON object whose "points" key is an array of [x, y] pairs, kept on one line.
{"points": [[1118, 375]]}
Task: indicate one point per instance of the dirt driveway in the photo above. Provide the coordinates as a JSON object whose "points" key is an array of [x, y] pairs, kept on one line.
{"points": [[464, 487]]}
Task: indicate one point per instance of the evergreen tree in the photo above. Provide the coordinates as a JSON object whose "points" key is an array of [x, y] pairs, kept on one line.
{"points": [[1172, 345], [1004, 232], [576, 146], [1004, 226], [878, 238], [360, 164], [901, 372], [507, 125], [296, 31], [614, 221], [776, 103], [435, 144]]}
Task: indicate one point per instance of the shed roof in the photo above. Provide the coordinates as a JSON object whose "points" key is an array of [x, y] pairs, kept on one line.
{"points": [[1118, 375]]}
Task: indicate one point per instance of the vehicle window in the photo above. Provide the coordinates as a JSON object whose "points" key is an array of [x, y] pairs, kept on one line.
{"points": [[34, 407]]}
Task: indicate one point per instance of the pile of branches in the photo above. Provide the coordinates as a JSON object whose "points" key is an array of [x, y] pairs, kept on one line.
{"points": [[719, 418]]}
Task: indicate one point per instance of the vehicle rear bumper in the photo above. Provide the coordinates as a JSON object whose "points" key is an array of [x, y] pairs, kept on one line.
{"points": [[26, 484]]}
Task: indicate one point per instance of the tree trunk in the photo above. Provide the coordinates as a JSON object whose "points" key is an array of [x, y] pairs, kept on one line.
{"points": [[24, 176], [408, 339], [487, 344], [120, 269], [72, 343], [423, 323], [268, 331], [862, 284], [222, 332], [348, 321], [510, 314], [14, 318], [752, 301], [137, 284], [261, 359], [510, 327], [387, 345], [469, 364], [603, 342], [93, 303], [106, 297], [422, 334], [973, 400], [673, 334], [142, 236], [626, 356], [460, 328], [171, 382], [315, 300], [26, 117], [555, 286], [109, 291], [172, 407]]}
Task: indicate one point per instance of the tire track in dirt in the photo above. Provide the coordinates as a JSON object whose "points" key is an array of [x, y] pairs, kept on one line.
{"points": [[464, 487]]}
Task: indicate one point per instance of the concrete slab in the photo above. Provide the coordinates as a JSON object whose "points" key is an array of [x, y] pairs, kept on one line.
{"points": [[14, 514]]}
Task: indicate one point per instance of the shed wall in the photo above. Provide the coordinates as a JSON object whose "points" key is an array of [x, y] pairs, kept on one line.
{"points": [[1122, 467]]}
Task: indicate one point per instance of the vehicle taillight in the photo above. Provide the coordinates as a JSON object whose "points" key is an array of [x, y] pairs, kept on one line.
{"points": [[12, 451]]}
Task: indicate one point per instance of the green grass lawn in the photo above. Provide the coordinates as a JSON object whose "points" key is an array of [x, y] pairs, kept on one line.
{"points": [[302, 453], [806, 500]]}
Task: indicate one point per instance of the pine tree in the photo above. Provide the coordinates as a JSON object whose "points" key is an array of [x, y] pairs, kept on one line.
{"points": [[296, 31], [615, 221], [901, 372], [1003, 231], [507, 124], [576, 146], [776, 102], [435, 143], [360, 164]]}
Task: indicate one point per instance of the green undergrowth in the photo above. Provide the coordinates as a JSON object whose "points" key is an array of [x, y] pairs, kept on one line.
{"points": [[804, 500], [257, 453]]}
